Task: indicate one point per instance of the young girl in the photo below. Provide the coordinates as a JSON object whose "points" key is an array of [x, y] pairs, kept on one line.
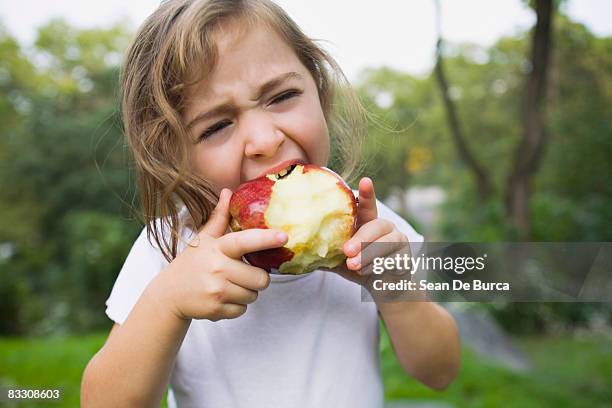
{"points": [[215, 93]]}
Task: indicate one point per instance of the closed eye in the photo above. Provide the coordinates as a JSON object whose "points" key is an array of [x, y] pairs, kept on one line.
{"points": [[214, 129], [225, 123], [286, 95]]}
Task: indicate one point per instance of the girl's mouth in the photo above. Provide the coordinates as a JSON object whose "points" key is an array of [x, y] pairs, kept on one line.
{"points": [[283, 168]]}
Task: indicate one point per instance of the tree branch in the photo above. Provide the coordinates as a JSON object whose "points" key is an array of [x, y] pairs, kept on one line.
{"points": [[482, 179]]}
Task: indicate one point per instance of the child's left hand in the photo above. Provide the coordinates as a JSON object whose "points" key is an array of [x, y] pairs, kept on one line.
{"points": [[370, 229]]}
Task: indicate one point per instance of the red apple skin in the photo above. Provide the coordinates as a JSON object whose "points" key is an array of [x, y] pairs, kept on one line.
{"points": [[249, 202], [248, 205], [269, 258]]}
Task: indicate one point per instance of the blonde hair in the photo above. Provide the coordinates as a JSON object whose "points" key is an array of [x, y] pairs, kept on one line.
{"points": [[159, 64]]}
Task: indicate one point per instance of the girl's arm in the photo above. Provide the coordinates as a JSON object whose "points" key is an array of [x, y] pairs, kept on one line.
{"points": [[425, 340], [424, 335], [133, 367]]}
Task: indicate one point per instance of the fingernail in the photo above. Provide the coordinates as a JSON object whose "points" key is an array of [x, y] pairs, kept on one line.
{"points": [[351, 247], [354, 263], [281, 236]]}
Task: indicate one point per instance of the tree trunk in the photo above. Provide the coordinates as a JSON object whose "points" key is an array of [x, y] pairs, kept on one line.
{"points": [[480, 175], [529, 151]]}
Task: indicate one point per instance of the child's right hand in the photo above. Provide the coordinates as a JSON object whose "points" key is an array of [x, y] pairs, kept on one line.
{"points": [[209, 280]]}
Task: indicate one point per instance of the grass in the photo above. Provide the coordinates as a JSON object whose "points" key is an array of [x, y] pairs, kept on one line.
{"points": [[566, 372], [47, 364]]}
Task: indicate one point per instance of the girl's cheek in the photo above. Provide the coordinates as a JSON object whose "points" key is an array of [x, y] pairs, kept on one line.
{"points": [[219, 164], [314, 135], [307, 123]]}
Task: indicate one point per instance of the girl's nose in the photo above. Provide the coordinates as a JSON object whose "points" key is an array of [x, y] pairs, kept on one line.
{"points": [[263, 138]]}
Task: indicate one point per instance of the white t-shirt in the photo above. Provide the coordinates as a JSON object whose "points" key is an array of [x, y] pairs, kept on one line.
{"points": [[307, 341]]}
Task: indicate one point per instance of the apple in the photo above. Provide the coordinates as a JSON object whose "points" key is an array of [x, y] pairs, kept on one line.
{"points": [[312, 204]]}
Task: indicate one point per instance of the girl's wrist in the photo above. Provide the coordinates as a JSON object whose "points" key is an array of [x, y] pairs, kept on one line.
{"points": [[163, 294]]}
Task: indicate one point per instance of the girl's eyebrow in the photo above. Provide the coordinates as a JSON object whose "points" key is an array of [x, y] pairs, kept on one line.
{"points": [[227, 107]]}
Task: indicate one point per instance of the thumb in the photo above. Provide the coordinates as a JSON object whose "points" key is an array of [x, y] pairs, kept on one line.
{"points": [[219, 218]]}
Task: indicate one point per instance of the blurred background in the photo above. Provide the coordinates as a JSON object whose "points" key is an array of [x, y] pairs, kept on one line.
{"points": [[491, 121]]}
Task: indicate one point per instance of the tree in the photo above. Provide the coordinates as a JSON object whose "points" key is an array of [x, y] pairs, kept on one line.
{"points": [[480, 174], [530, 150]]}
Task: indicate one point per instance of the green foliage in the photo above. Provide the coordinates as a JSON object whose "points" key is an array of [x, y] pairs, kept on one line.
{"points": [[575, 173], [566, 373], [98, 244], [572, 197], [65, 182], [525, 318]]}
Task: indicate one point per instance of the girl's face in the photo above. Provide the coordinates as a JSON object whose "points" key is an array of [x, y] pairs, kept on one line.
{"points": [[258, 108]]}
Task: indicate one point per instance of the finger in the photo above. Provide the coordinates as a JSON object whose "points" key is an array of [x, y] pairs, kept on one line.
{"points": [[367, 233], [231, 311], [346, 274], [237, 294], [219, 219], [389, 246], [366, 209], [239, 243], [247, 276]]}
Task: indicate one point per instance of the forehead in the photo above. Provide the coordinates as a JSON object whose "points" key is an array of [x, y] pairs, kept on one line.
{"points": [[247, 55]]}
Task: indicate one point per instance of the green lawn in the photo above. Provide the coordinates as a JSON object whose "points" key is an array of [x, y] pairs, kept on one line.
{"points": [[567, 372], [44, 364]]}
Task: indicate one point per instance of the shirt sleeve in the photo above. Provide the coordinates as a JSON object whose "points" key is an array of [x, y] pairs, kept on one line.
{"points": [[416, 240], [142, 264]]}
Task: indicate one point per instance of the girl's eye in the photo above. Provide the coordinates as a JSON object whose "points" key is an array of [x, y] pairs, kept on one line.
{"points": [[286, 95], [214, 128]]}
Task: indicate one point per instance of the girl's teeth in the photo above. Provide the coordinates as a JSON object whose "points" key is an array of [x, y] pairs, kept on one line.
{"points": [[284, 172]]}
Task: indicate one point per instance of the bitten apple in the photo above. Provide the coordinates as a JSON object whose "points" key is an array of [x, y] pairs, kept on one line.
{"points": [[312, 204]]}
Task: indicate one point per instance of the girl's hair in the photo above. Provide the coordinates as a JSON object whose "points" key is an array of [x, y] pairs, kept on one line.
{"points": [[175, 48]]}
